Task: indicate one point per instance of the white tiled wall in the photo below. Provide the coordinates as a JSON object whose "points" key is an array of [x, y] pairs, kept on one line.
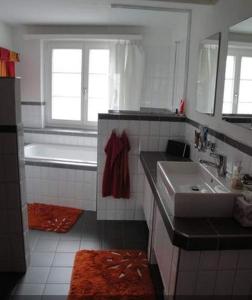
{"points": [[143, 136], [158, 79], [66, 187], [233, 155], [33, 116], [163, 81], [41, 138]]}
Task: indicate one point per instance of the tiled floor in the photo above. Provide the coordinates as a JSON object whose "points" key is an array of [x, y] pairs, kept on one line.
{"points": [[52, 254]]}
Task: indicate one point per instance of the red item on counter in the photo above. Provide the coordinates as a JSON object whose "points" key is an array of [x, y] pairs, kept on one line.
{"points": [[182, 107]]}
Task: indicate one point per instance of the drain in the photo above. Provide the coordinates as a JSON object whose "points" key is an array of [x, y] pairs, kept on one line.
{"points": [[195, 188]]}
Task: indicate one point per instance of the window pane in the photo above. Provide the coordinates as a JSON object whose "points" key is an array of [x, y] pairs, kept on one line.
{"points": [[66, 85], [98, 86], [246, 68], [99, 61], [244, 108], [96, 106], [67, 60], [230, 67], [98, 83], [227, 108], [245, 93], [66, 108], [229, 90]]}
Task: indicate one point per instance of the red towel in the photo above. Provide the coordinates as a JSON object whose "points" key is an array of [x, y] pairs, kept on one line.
{"points": [[10, 66], [116, 181], [4, 54]]}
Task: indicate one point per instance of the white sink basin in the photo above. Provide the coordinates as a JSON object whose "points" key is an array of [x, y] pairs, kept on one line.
{"points": [[188, 189]]}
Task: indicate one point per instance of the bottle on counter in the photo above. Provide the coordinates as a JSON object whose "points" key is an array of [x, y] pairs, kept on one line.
{"points": [[236, 182]]}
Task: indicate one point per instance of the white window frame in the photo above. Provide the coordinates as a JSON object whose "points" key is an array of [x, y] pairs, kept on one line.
{"points": [[238, 54], [85, 46]]}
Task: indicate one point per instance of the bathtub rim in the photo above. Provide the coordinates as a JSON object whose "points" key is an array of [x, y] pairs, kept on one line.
{"points": [[59, 163]]}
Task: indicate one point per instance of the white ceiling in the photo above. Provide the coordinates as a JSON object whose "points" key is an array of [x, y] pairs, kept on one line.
{"points": [[72, 12], [243, 27]]}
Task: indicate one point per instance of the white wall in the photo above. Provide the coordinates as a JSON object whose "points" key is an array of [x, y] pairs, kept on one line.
{"points": [[65, 187], [164, 81], [6, 36], [143, 136], [158, 43], [207, 21]]}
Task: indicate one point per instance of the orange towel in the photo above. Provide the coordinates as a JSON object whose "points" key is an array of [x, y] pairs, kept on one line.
{"points": [[3, 70]]}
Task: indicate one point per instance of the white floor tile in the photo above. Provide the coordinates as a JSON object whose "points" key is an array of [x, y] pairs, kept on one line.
{"points": [[60, 275], [36, 275], [29, 289], [46, 246], [68, 246], [64, 259], [42, 259], [56, 289]]}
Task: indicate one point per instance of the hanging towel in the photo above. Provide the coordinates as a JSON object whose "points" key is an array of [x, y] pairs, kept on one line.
{"points": [[116, 180], [4, 54], [3, 68], [10, 68], [112, 150], [7, 62]]}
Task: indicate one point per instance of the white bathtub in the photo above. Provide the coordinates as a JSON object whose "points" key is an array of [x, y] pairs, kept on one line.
{"points": [[64, 153], [61, 175]]}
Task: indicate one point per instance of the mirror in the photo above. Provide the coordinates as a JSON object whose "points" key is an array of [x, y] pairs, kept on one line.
{"points": [[207, 74], [237, 98]]}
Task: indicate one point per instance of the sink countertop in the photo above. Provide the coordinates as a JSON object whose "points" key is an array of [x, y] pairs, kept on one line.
{"points": [[195, 233]]}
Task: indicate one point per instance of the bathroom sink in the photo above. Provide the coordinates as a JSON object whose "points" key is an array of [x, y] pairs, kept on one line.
{"points": [[188, 189]]}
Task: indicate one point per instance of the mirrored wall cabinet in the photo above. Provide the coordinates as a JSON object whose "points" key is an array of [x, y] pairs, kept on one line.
{"points": [[207, 74], [237, 98]]}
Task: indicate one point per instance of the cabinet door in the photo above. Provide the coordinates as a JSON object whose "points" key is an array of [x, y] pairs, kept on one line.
{"points": [[166, 254], [148, 201]]}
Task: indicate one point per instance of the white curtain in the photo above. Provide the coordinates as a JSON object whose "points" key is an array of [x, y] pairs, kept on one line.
{"points": [[207, 78], [127, 77]]}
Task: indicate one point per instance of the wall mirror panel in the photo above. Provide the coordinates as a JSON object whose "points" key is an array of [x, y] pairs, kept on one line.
{"points": [[237, 98], [207, 74]]}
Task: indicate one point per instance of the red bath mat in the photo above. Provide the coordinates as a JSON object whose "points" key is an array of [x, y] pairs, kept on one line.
{"points": [[116, 275], [52, 217]]}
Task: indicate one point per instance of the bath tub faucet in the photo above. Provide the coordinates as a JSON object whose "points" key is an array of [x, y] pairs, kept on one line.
{"points": [[221, 164]]}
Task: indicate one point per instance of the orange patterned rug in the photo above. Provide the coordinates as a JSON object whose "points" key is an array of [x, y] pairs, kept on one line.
{"points": [[118, 274], [52, 217]]}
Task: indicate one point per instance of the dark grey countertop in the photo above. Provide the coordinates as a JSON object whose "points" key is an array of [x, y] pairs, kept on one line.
{"points": [[195, 233], [143, 116]]}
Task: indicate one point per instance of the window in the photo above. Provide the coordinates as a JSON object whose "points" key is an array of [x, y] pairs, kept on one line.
{"points": [[66, 84], [229, 85], [238, 83], [245, 88], [77, 80], [98, 75]]}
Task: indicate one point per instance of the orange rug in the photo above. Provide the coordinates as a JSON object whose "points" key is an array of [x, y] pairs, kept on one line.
{"points": [[118, 274], [52, 217]]}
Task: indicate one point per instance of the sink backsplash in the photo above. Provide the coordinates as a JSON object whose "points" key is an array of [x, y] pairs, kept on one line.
{"points": [[151, 133], [233, 154]]}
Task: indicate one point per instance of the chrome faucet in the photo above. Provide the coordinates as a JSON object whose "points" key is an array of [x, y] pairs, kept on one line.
{"points": [[221, 164]]}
